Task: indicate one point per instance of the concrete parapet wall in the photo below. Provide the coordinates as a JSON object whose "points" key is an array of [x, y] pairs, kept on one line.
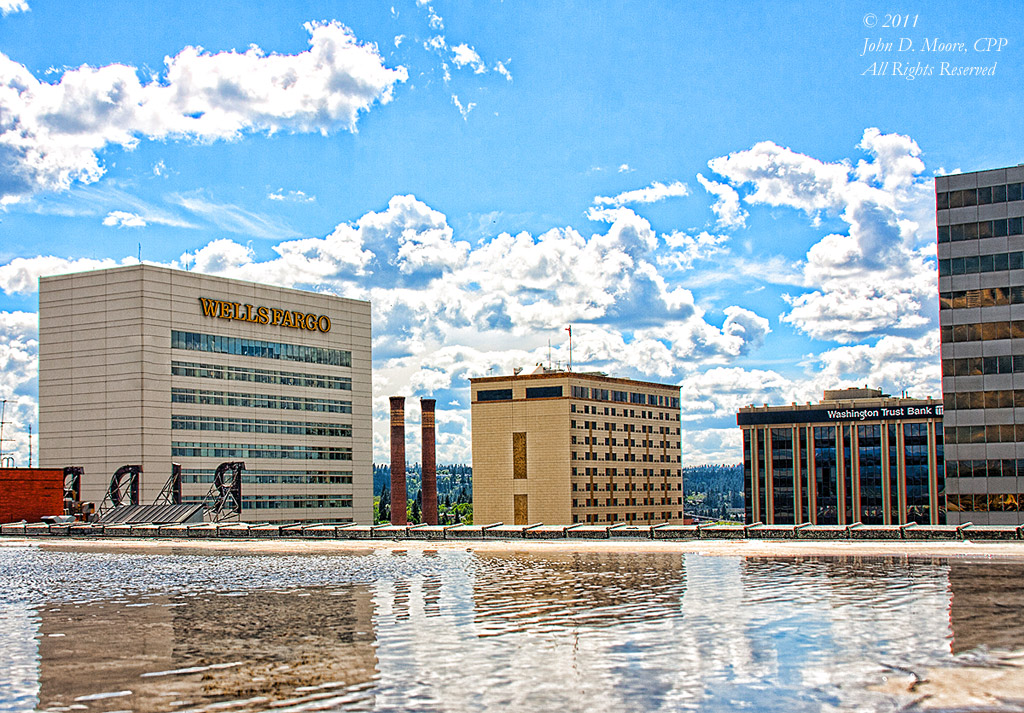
{"points": [[499, 531]]}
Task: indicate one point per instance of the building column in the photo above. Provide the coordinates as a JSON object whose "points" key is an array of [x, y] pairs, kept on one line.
{"points": [[933, 477], [886, 478], [398, 496], [812, 483], [797, 471], [428, 482]]}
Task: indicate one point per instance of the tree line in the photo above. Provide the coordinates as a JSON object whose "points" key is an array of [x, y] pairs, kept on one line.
{"points": [[711, 491], [454, 493]]}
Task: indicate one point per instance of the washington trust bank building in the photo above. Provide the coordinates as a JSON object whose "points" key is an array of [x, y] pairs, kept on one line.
{"points": [[856, 456], [150, 366]]}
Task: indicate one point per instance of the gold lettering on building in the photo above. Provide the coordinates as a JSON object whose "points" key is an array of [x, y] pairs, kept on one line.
{"points": [[265, 315]]}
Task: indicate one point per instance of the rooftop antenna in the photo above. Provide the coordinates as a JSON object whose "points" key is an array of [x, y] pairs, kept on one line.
{"points": [[549, 354], [569, 330], [30, 445], [6, 461], [140, 253]]}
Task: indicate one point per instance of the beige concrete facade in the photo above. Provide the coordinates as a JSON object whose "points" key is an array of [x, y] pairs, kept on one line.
{"points": [[563, 447], [147, 365]]}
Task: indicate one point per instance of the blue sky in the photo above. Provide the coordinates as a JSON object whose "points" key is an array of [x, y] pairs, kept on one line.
{"points": [[734, 197]]}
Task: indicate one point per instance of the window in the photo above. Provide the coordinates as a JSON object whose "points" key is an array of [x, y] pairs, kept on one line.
{"points": [[543, 392], [494, 395]]}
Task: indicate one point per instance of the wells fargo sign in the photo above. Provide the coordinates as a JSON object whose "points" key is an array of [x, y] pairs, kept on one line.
{"points": [[265, 315]]}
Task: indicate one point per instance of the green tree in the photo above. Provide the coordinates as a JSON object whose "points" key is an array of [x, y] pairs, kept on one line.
{"points": [[384, 505], [414, 509]]}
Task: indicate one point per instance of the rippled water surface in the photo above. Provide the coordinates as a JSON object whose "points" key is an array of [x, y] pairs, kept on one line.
{"points": [[457, 630]]}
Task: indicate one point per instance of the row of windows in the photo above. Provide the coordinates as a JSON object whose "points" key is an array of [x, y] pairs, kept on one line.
{"points": [[627, 517], [614, 487], [826, 435], [979, 366], [626, 472], [615, 502], [251, 479], [278, 471], [998, 398], [584, 392], [182, 449], [613, 426], [975, 264], [608, 426], [255, 425], [987, 297], [1008, 468], [612, 456], [978, 196], [623, 442], [280, 502], [624, 413], [1003, 433], [260, 376], [985, 229], [985, 502], [195, 341], [274, 401], [532, 392], [982, 332]]}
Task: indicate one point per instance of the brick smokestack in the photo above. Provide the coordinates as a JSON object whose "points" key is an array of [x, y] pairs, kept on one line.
{"points": [[429, 464], [398, 497]]}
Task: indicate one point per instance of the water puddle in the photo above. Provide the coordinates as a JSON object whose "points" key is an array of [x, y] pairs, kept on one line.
{"points": [[460, 630]]}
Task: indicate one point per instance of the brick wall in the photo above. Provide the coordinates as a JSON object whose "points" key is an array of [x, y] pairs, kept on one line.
{"points": [[30, 493]]}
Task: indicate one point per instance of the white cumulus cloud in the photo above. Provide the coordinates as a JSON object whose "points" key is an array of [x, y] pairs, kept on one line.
{"points": [[727, 206], [51, 134], [463, 55], [652, 194], [11, 6], [21, 275], [878, 277], [124, 219], [19, 353]]}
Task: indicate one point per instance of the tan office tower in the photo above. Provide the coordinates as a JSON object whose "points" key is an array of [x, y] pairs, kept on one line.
{"points": [[147, 365], [563, 447], [858, 455], [980, 225]]}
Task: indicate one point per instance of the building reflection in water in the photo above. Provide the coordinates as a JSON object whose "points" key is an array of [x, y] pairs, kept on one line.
{"points": [[456, 630], [189, 651], [988, 605]]}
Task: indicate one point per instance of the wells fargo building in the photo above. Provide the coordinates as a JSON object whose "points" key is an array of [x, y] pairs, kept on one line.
{"points": [[149, 366], [563, 447], [857, 456]]}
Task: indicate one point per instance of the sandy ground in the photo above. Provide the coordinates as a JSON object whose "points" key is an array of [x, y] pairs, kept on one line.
{"points": [[724, 548]]}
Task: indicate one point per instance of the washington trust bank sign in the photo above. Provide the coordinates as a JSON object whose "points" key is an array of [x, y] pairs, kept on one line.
{"points": [[895, 413], [265, 315]]}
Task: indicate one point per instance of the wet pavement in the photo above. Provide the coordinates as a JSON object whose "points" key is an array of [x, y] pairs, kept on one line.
{"points": [[118, 627]]}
